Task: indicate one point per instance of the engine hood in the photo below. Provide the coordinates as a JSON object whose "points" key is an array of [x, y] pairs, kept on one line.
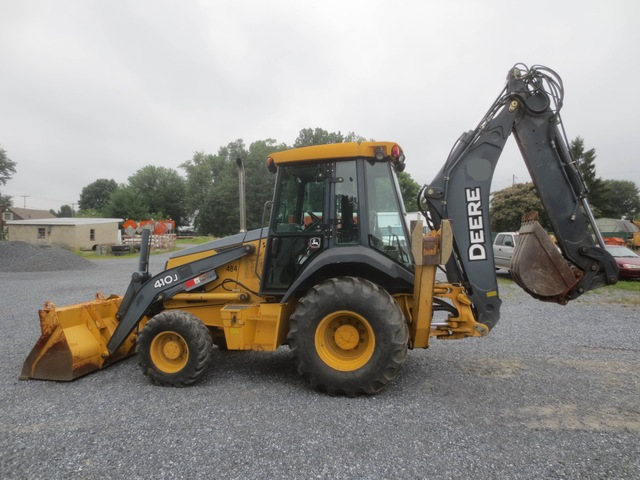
{"points": [[222, 243]]}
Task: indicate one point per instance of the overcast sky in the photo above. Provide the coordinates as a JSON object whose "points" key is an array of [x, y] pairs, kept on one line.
{"points": [[99, 89]]}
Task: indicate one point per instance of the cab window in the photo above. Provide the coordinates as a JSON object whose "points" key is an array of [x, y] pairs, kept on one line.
{"points": [[300, 204], [387, 229]]}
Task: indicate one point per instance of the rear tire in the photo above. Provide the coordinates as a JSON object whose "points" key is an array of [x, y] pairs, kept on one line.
{"points": [[174, 349], [348, 337]]}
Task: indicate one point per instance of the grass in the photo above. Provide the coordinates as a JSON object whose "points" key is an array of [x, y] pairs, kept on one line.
{"points": [[628, 286], [625, 292]]}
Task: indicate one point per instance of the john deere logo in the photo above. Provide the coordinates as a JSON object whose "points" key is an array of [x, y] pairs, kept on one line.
{"points": [[477, 250]]}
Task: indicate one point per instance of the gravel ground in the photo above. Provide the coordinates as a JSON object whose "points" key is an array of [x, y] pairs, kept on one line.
{"points": [[26, 257], [552, 392]]}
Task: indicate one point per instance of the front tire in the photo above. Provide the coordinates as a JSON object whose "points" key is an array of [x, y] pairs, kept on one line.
{"points": [[348, 337], [174, 349]]}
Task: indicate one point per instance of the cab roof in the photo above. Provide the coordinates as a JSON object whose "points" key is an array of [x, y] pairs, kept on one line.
{"points": [[381, 150]]}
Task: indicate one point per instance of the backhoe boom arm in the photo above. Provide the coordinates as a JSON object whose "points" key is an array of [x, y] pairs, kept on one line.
{"points": [[529, 107]]}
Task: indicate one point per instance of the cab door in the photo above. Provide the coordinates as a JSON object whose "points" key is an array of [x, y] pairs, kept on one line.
{"points": [[299, 223]]}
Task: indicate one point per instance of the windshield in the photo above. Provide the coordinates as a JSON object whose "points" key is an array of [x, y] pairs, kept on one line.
{"points": [[621, 252], [387, 227]]}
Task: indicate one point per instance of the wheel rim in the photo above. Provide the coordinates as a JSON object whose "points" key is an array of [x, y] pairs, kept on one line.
{"points": [[344, 340], [169, 352]]}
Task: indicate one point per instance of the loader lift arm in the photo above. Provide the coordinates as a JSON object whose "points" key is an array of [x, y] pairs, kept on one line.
{"points": [[144, 291], [529, 107]]}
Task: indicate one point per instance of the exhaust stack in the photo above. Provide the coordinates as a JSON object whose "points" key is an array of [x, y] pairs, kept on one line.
{"points": [[243, 212]]}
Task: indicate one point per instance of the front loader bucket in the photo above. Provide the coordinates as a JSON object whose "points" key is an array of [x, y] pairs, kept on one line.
{"points": [[74, 340], [539, 267]]}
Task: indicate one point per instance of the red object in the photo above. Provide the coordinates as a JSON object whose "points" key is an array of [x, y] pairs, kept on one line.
{"points": [[627, 260], [614, 241]]}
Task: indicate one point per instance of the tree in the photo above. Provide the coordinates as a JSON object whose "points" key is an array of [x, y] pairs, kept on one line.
{"points": [[7, 170], [65, 212], [213, 186], [409, 189], [509, 205], [125, 202], [162, 190], [352, 137], [5, 202], [260, 183], [212, 182], [96, 195], [7, 167], [621, 199], [318, 136], [587, 167], [608, 198], [90, 213], [202, 171], [221, 209]]}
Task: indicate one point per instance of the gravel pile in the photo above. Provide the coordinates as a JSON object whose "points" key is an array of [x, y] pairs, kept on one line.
{"points": [[25, 257]]}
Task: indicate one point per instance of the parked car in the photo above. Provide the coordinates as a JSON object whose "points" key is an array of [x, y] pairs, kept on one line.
{"points": [[628, 261], [503, 247]]}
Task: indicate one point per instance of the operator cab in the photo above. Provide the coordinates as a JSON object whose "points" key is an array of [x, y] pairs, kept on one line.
{"points": [[340, 203]]}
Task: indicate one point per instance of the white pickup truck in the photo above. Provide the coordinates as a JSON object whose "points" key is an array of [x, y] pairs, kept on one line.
{"points": [[503, 247]]}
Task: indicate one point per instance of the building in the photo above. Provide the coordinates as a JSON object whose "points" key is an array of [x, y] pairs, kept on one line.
{"points": [[14, 213], [627, 231], [70, 233]]}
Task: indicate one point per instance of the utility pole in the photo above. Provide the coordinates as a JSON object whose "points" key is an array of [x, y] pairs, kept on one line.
{"points": [[24, 197]]}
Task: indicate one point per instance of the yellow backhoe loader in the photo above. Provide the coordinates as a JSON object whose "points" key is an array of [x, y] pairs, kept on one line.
{"points": [[335, 273]]}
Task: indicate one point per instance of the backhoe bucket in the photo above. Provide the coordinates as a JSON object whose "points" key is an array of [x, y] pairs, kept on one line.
{"points": [[74, 340], [539, 267]]}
